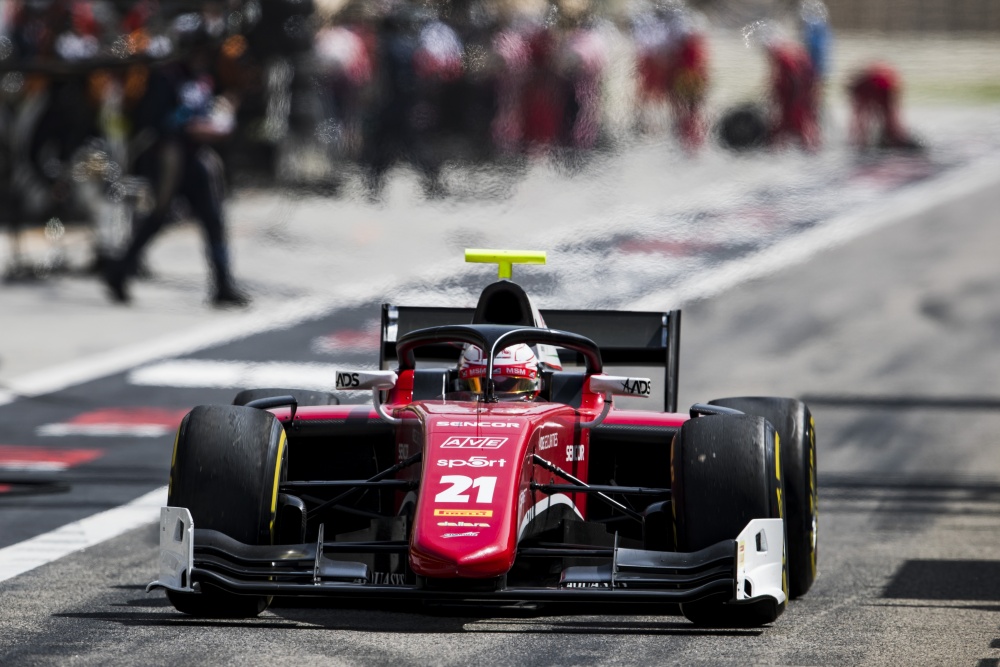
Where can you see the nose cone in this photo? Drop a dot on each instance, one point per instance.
(463, 551)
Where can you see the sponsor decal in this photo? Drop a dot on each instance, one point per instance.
(488, 442)
(636, 387)
(462, 524)
(548, 441)
(347, 380)
(574, 452)
(483, 424)
(593, 584)
(470, 534)
(485, 514)
(473, 462)
(459, 484)
(404, 451)
(389, 578)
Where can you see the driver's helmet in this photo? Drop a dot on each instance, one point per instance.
(515, 372)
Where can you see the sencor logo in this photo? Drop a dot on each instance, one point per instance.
(456, 442)
(483, 424)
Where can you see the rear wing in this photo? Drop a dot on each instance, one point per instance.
(638, 338)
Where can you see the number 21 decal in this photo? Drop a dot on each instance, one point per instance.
(456, 493)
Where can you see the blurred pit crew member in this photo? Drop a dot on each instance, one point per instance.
(673, 66)
(582, 59)
(415, 56)
(874, 95)
(816, 37)
(345, 53)
(180, 116)
(515, 374)
(793, 94)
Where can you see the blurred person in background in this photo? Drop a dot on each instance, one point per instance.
(792, 87)
(673, 68)
(548, 97)
(817, 38)
(582, 59)
(418, 55)
(875, 122)
(345, 51)
(510, 43)
(179, 115)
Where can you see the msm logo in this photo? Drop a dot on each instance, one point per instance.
(487, 442)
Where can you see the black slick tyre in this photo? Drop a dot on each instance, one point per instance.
(226, 467)
(302, 396)
(797, 438)
(723, 472)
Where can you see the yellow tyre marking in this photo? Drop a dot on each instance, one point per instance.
(173, 462)
(777, 455)
(777, 466)
(813, 495)
(274, 489)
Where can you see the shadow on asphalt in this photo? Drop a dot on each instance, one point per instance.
(414, 618)
(959, 580)
(902, 402)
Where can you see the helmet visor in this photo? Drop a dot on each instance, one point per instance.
(505, 386)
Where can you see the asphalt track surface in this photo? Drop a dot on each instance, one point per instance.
(892, 337)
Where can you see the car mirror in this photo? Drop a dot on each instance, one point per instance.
(621, 385)
(360, 380)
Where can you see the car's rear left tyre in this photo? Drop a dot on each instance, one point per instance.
(301, 396)
(797, 435)
(724, 473)
(227, 464)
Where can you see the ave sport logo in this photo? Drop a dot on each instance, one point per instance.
(472, 462)
(484, 442)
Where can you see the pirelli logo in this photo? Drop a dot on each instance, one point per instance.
(476, 513)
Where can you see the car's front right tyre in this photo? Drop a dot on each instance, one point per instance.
(226, 467)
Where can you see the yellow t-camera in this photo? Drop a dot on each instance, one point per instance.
(504, 259)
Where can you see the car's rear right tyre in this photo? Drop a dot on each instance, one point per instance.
(724, 473)
(227, 464)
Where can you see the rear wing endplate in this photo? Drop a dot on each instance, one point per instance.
(638, 338)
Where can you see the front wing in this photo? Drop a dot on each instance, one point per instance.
(747, 569)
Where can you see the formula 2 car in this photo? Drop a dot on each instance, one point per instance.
(441, 489)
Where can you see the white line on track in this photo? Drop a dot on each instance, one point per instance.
(799, 248)
(24, 556)
(87, 532)
(116, 361)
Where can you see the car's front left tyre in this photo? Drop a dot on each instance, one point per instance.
(724, 473)
(797, 434)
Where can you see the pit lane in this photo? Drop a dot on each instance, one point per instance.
(910, 492)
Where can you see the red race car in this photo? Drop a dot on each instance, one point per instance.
(492, 466)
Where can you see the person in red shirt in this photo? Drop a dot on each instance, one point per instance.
(793, 94)
(874, 92)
